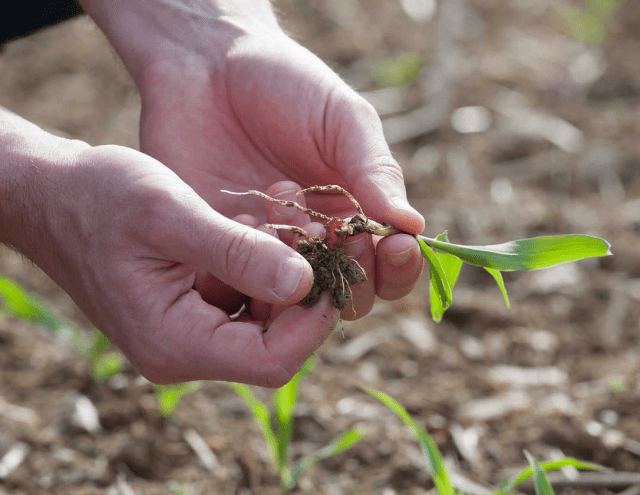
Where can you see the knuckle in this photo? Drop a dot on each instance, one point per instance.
(238, 250)
(387, 168)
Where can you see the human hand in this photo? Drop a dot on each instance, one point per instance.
(122, 235)
(273, 117)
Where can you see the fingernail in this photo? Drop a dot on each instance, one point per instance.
(289, 277)
(355, 247)
(399, 259)
(402, 204)
(282, 210)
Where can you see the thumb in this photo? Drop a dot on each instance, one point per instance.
(252, 262)
(363, 158)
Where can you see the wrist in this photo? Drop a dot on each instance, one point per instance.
(30, 162)
(166, 32)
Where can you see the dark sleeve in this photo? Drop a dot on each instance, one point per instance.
(23, 17)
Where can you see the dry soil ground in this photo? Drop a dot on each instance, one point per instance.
(558, 152)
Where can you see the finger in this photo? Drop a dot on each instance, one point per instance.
(285, 215)
(201, 343)
(215, 291)
(265, 312)
(399, 265)
(252, 262)
(361, 155)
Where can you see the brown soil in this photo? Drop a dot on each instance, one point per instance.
(333, 272)
(578, 322)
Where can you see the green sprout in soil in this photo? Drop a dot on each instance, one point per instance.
(19, 303)
(277, 429)
(438, 470)
(334, 271)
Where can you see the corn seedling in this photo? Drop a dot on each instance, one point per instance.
(438, 470)
(18, 303)
(103, 364)
(335, 272)
(277, 428)
(168, 396)
(590, 24)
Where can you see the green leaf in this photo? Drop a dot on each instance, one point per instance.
(399, 71)
(497, 275)
(540, 480)
(509, 485)
(260, 413)
(168, 396)
(20, 304)
(451, 268)
(99, 345)
(430, 449)
(106, 366)
(344, 442)
(526, 254)
(437, 277)
(284, 403)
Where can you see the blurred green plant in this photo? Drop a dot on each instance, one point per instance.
(277, 428)
(590, 25)
(168, 396)
(438, 470)
(19, 303)
(176, 488)
(540, 480)
(103, 363)
(399, 71)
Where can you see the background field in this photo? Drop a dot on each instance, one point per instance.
(556, 101)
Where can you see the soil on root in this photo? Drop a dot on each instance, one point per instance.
(333, 271)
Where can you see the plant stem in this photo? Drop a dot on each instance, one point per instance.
(382, 229)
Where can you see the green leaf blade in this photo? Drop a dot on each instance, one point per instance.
(261, 415)
(430, 449)
(284, 403)
(509, 485)
(497, 275)
(451, 266)
(168, 396)
(540, 480)
(20, 304)
(437, 277)
(344, 442)
(526, 254)
(106, 365)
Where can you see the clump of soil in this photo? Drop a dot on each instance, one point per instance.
(333, 271)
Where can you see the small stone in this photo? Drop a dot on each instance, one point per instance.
(13, 458)
(487, 409)
(472, 348)
(557, 404)
(206, 456)
(416, 328)
(514, 376)
(471, 119)
(84, 415)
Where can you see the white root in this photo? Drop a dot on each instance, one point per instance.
(293, 204)
(333, 187)
(291, 228)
